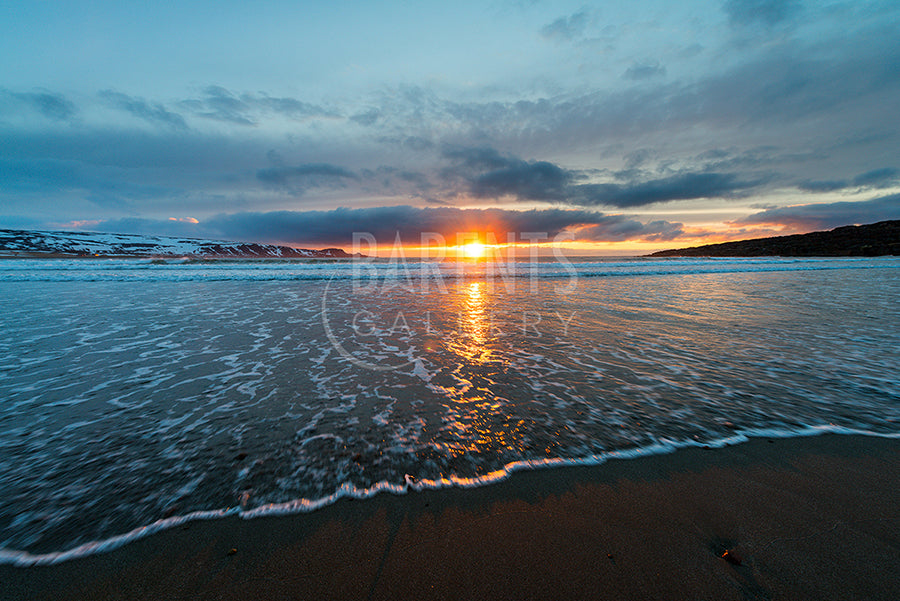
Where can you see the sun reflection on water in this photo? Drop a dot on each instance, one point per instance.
(472, 343)
(477, 392)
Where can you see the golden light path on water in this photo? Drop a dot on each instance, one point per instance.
(476, 405)
(474, 324)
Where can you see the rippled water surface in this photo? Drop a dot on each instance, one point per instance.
(132, 392)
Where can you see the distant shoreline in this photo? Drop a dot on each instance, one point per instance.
(58, 245)
(173, 257)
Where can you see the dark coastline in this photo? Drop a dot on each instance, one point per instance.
(806, 518)
(873, 240)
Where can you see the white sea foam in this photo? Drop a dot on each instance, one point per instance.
(145, 270)
(349, 491)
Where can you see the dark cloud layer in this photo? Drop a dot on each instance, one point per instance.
(824, 216)
(488, 174)
(484, 173)
(683, 186)
(627, 229)
(336, 227)
(884, 177)
(877, 178)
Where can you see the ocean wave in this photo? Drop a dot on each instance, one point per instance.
(146, 270)
(348, 491)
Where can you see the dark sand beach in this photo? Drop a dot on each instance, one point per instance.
(803, 518)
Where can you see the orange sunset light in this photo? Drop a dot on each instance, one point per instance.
(474, 250)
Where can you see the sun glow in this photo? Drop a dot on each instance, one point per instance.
(474, 250)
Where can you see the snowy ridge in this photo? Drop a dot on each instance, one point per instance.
(24, 243)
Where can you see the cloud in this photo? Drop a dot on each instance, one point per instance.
(221, 104)
(289, 107)
(151, 112)
(884, 177)
(488, 174)
(648, 70)
(624, 228)
(52, 105)
(102, 186)
(766, 12)
(396, 181)
(303, 177)
(566, 28)
(683, 186)
(367, 118)
(20, 222)
(151, 227)
(824, 216)
(637, 157)
(417, 143)
(535, 180)
(690, 51)
(38, 174)
(822, 185)
(877, 178)
(336, 227)
(477, 158)
(49, 171)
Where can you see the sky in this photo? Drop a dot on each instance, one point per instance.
(622, 127)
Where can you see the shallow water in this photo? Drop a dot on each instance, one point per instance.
(133, 392)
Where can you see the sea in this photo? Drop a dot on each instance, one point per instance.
(138, 394)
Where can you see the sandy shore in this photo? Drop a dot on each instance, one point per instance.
(807, 518)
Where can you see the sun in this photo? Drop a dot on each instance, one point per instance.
(474, 250)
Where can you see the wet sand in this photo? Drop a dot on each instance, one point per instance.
(804, 518)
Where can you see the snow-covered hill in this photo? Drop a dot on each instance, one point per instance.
(88, 244)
